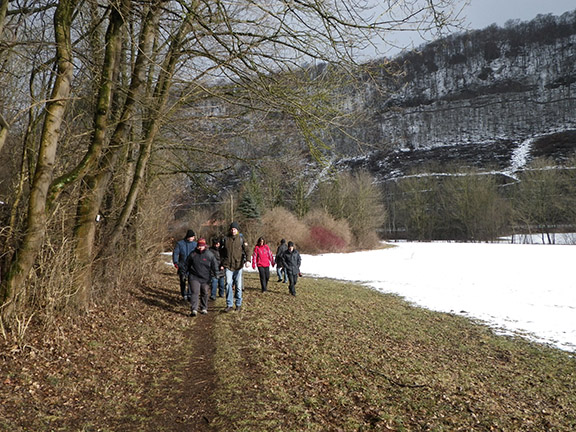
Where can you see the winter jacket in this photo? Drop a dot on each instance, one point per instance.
(279, 254)
(202, 265)
(182, 249)
(262, 256)
(234, 252)
(292, 261)
(216, 252)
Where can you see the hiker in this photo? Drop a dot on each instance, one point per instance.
(181, 251)
(291, 260)
(202, 265)
(262, 259)
(219, 280)
(234, 255)
(280, 271)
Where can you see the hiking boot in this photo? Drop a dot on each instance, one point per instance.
(228, 309)
(212, 298)
(203, 311)
(194, 313)
(238, 308)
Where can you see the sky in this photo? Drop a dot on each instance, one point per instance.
(521, 289)
(482, 13)
(478, 14)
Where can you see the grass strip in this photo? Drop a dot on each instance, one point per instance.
(340, 356)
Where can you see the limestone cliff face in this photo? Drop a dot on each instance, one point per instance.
(486, 86)
(491, 89)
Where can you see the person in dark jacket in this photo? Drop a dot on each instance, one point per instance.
(218, 281)
(180, 254)
(202, 265)
(279, 266)
(292, 261)
(234, 255)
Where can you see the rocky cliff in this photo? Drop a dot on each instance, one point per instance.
(480, 98)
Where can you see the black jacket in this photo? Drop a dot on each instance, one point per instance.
(292, 261)
(280, 255)
(202, 265)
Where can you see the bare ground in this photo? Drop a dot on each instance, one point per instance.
(140, 362)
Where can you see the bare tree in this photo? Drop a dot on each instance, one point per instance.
(113, 94)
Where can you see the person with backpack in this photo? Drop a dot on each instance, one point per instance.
(292, 261)
(218, 280)
(180, 254)
(280, 271)
(262, 259)
(234, 255)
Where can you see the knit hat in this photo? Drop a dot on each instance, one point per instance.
(201, 242)
(234, 225)
(190, 233)
(290, 244)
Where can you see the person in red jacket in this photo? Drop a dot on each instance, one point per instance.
(262, 259)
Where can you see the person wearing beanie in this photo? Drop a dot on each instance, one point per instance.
(280, 271)
(234, 255)
(218, 281)
(262, 259)
(181, 251)
(202, 265)
(292, 261)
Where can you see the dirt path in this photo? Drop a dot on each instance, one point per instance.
(135, 362)
(188, 399)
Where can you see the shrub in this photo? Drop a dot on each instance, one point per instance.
(357, 199)
(279, 223)
(326, 234)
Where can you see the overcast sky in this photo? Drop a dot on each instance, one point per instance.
(479, 14)
(482, 13)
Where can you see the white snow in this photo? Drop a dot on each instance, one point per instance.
(522, 289)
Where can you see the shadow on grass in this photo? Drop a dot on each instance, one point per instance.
(168, 299)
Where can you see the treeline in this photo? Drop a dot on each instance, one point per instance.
(344, 213)
(482, 206)
(109, 110)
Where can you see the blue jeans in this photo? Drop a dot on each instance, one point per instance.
(281, 273)
(233, 277)
(218, 285)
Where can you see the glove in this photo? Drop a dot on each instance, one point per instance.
(176, 265)
(300, 274)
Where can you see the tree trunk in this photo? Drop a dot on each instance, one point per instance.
(152, 127)
(97, 183)
(27, 252)
(87, 207)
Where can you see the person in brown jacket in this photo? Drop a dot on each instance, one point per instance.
(234, 255)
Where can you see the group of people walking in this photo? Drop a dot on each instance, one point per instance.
(206, 272)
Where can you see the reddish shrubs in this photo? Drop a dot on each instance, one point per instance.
(325, 240)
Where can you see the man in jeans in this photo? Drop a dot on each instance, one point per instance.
(234, 256)
(180, 254)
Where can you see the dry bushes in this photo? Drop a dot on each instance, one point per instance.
(326, 234)
(317, 232)
(280, 223)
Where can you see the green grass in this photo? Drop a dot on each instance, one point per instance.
(343, 357)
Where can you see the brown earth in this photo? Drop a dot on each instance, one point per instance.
(139, 362)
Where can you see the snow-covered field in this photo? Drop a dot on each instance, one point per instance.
(523, 289)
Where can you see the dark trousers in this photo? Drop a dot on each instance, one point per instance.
(292, 280)
(200, 291)
(264, 273)
(184, 286)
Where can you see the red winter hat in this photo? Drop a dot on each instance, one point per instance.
(201, 242)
